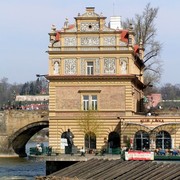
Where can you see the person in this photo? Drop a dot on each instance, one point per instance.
(49, 150)
(42, 146)
(82, 151)
(39, 148)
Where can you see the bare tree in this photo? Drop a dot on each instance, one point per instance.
(146, 32)
(89, 124)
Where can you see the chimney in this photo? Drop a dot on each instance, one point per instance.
(90, 9)
(115, 22)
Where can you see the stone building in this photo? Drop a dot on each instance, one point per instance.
(96, 87)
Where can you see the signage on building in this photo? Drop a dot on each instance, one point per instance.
(152, 120)
(139, 155)
(63, 143)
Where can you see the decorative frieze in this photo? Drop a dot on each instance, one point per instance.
(121, 43)
(70, 41)
(70, 66)
(109, 41)
(109, 66)
(90, 41)
(97, 66)
(89, 26)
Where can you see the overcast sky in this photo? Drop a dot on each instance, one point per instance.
(24, 27)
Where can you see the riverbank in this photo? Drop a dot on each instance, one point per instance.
(75, 157)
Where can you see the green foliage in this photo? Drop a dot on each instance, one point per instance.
(128, 144)
(40, 86)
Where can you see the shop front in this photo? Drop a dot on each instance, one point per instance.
(164, 136)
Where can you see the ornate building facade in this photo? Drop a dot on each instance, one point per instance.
(96, 87)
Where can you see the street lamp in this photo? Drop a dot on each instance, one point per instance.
(41, 75)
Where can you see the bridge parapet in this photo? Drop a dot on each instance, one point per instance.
(14, 121)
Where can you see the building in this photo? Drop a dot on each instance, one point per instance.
(96, 88)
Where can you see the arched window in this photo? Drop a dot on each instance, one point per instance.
(163, 140)
(90, 140)
(114, 140)
(141, 140)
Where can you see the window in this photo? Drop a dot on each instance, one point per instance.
(94, 102)
(89, 102)
(85, 103)
(90, 68)
(141, 140)
(163, 140)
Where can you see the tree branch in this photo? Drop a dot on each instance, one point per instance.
(150, 57)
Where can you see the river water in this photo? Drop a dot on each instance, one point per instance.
(21, 168)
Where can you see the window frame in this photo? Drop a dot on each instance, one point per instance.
(90, 68)
(90, 104)
(86, 103)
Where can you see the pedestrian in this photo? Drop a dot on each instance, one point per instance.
(82, 151)
(39, 148)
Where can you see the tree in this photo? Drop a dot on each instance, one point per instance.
(38, 85)
(32, 90)
(25, 89)
(144, 27)
(89, 124)
(170, 92)
(8, 92)
(4, 92)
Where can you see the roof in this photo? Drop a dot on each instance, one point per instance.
(103, 169)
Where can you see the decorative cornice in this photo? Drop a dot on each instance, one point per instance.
(91, 77)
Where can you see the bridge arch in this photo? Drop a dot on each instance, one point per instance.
(19, 139)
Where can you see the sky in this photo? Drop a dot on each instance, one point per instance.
(24, 28)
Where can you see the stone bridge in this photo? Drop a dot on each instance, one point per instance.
(17, 127)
